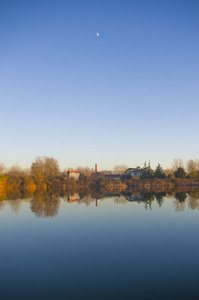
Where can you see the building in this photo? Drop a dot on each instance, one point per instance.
(135, 172)
(97, 175)
(73, 174)
(103, 175)
(112, 176)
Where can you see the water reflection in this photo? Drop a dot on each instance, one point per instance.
(45, 205)
(104, 243)
(160, 198)
(181, 196)
(193, 202)
(73, 197)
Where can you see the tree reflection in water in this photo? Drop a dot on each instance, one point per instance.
(2, 205)
(160, 198)
(15, 205)
(179, 206)
(193, 200)
(44, 205)
(120, 200)
(87, 200)
(180, 201)
(181, 196)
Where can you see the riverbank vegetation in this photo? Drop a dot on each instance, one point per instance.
(45, 175)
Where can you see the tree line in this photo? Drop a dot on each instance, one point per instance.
(190, 170)
(45, 171)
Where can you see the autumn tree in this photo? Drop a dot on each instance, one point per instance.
(45, 168)
(28, 184)
(193, 175)
(51, 167)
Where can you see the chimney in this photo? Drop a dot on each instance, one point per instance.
(95, 168)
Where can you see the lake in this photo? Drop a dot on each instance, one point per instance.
(133, 246)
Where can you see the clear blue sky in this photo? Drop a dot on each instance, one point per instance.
(127, 96)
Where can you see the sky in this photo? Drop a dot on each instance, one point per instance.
(125, 96)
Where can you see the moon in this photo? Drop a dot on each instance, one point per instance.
(97, 34)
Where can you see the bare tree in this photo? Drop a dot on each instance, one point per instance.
(2, 168)
(86, 171)
(119, 169)
(177, 163)
(106, 172)
(16, 170)
(192, 165)
(168, 172)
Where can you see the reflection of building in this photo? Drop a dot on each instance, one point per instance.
(73, 197)
(135, 197)
(112, 194)
(134, 171)
(73, 174)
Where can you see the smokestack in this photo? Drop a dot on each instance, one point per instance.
(95, 168)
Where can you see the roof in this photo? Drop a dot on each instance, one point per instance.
(112, 175)
(73, 171)
(134, 170)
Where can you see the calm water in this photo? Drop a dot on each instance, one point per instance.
(135, 247)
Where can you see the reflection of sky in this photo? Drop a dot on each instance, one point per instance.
(105, 251)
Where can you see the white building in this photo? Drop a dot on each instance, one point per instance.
(73, 174)
(134, 172)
